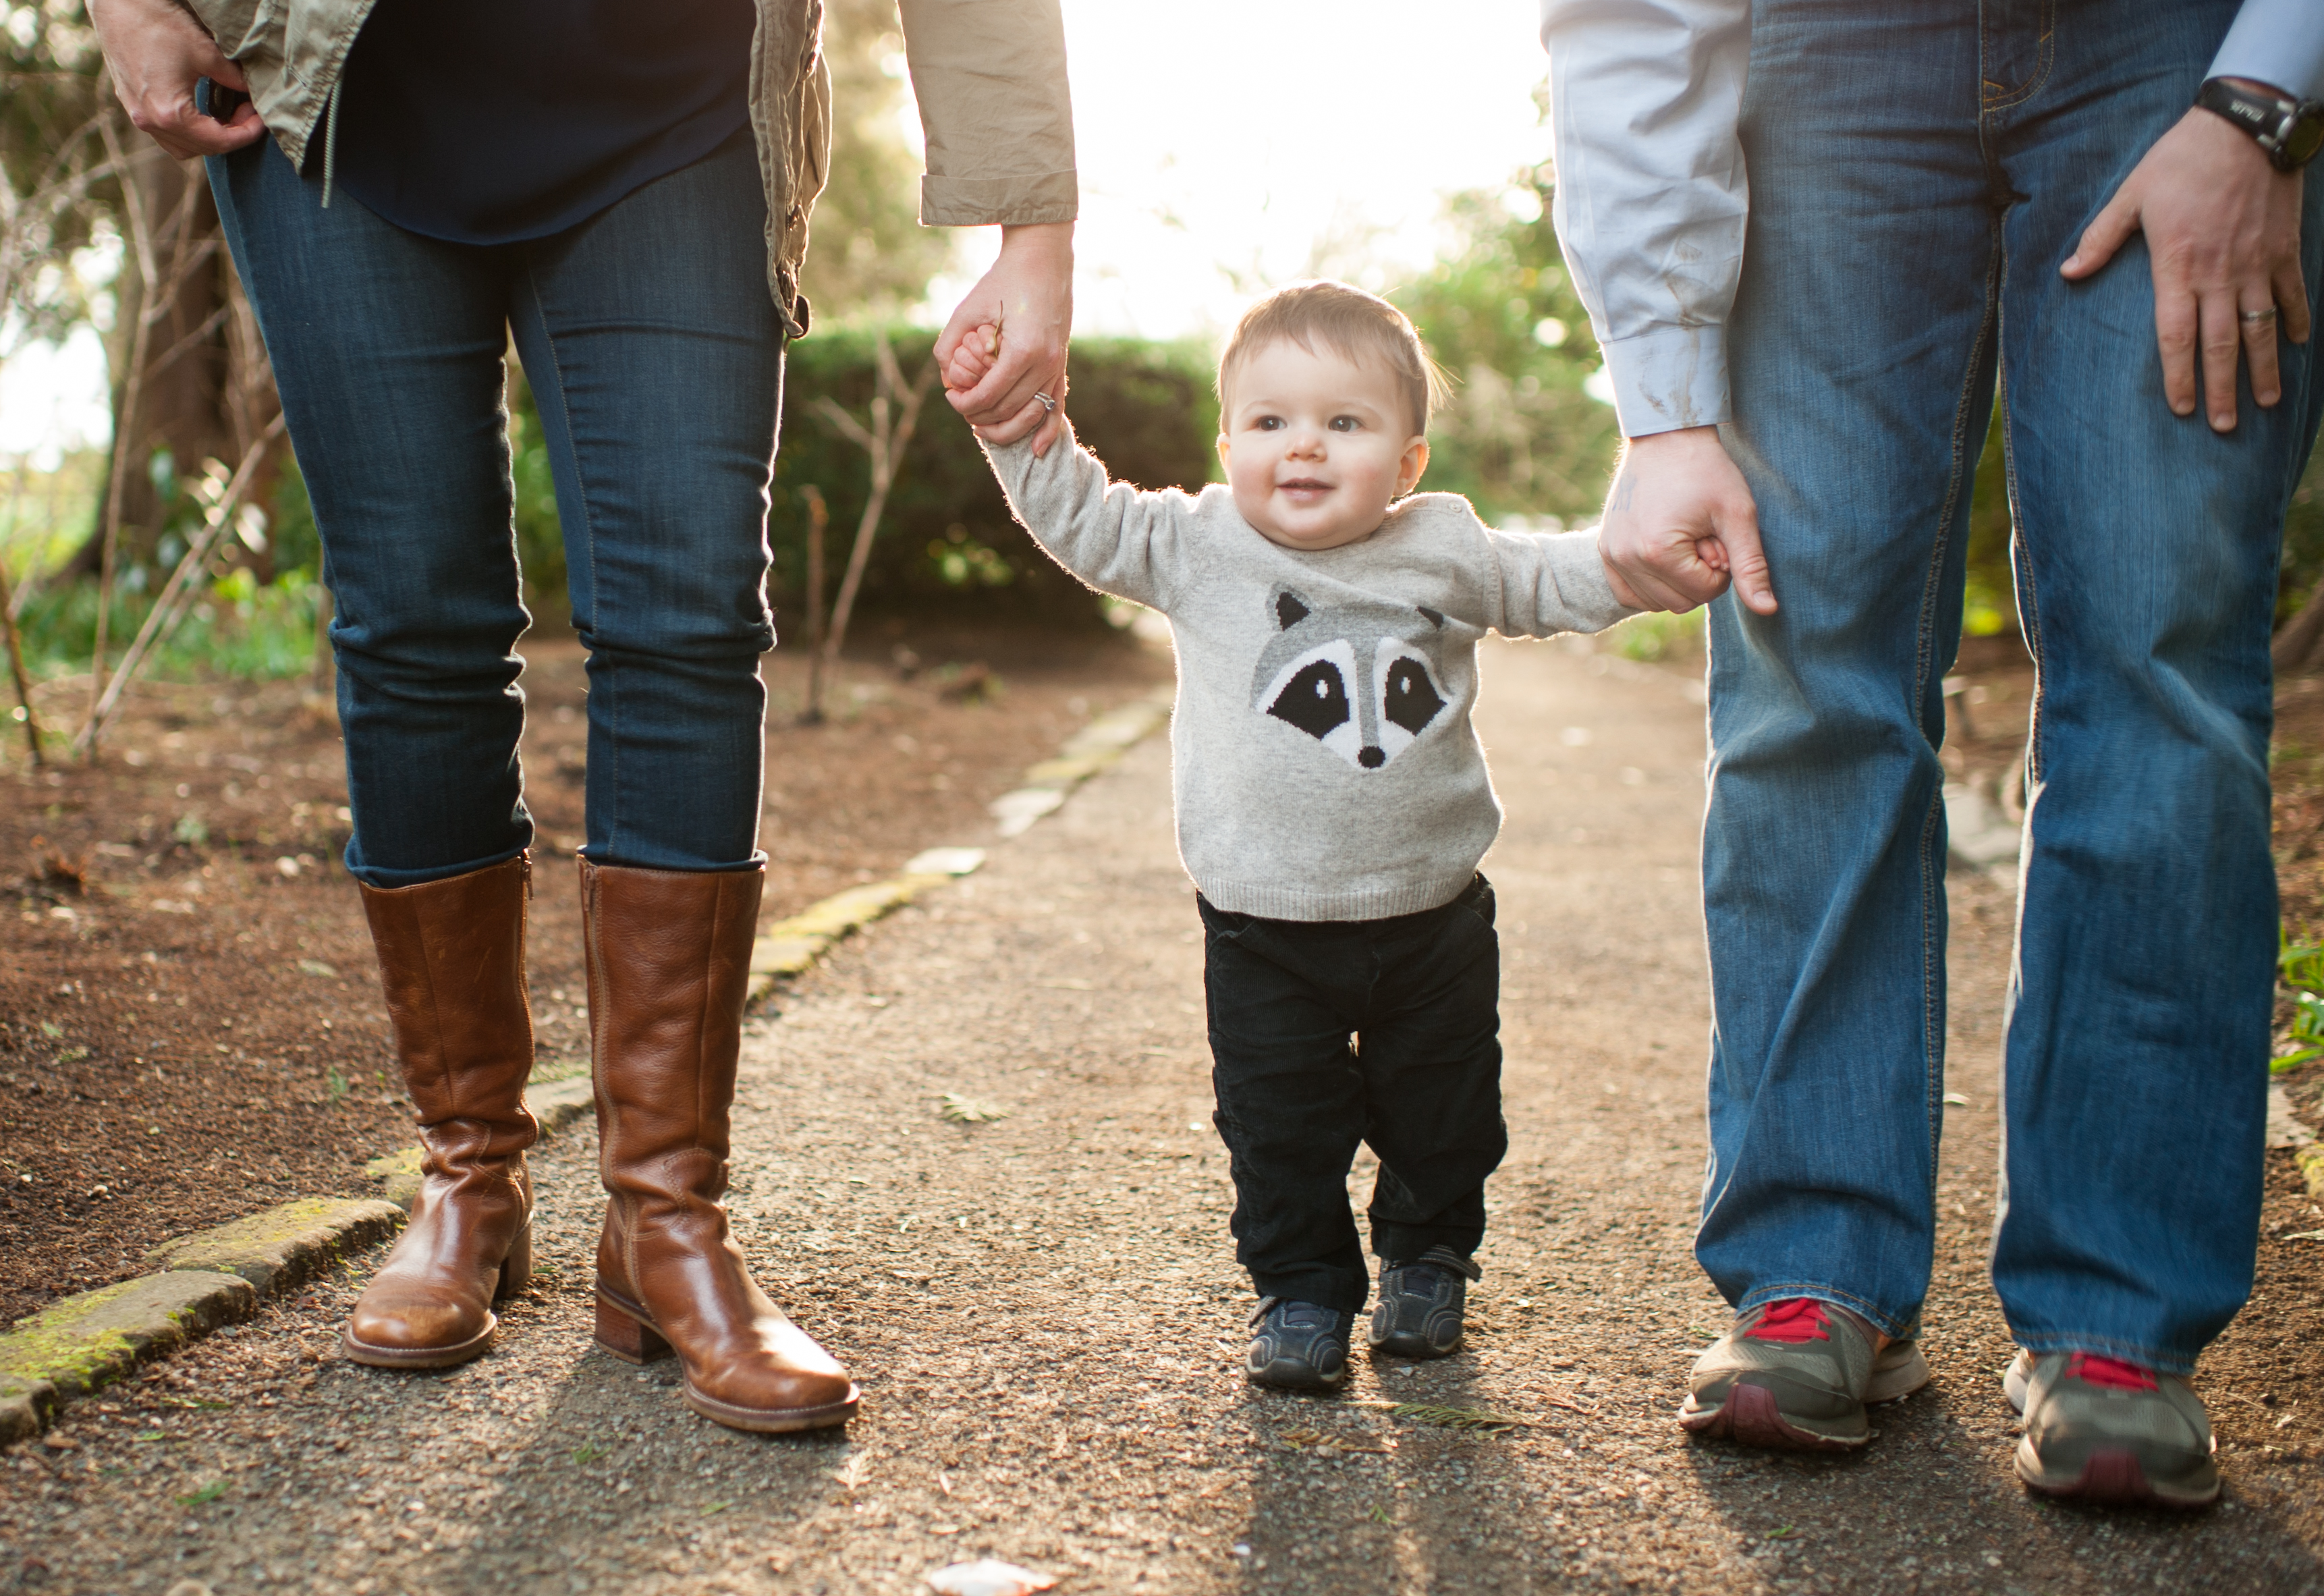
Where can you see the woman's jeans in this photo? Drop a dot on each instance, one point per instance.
(1419, 996)
(1919, 168)
(656, 354)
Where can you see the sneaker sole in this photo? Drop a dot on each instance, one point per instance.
(1297, 1377)
(1750, 1417)
(2115, 1476)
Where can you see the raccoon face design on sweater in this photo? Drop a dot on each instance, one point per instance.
(1362, 679)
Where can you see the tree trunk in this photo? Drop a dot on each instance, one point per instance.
(205, 393)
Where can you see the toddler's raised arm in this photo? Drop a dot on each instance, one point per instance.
(1110, 534)
(1552, 582)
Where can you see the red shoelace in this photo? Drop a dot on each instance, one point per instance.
(2112, 1373)
(1798, 1319)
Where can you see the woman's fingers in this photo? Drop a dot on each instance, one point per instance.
(156, 54)
(1030, 419)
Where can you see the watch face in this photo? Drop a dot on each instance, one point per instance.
(2305, 136)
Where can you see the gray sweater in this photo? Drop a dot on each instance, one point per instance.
(1323, 763)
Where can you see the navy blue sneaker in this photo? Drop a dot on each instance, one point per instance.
(1418, 1315)
(1299, 1346)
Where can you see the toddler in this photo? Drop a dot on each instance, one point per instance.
(1332, 799)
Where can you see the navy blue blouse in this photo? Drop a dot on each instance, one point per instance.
(510, 119)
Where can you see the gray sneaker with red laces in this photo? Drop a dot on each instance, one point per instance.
(1798, 1374)
(2106, 1431)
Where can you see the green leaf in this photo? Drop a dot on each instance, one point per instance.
(207, 1493)
(586, 1456)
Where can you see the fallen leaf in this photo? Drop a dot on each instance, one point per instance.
(2303, 1236)
(968, 1111)
(988, 1576)
(1449, 1419)
(317, 967)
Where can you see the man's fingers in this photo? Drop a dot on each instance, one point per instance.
(2174, 336)
(2106, 235)
(1746, 558)
(2291, 291)
(2259, 332)
(2222, 344)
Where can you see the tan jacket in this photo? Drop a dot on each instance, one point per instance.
(990, 76)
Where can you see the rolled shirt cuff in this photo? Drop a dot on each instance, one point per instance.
(1020, 201)
(2276, 42)
(1669, 378)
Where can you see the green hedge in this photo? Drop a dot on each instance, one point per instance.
(946, 546)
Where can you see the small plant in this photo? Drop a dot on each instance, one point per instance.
(190, 830)
(2300, 967)
(334, 1084)
(586, 1456)
(207, 1493)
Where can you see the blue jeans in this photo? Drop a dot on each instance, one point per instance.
(1919, 168)
(656, 356)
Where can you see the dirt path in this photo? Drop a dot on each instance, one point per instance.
(1046, 1317)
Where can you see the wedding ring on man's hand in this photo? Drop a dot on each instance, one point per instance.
(2257, 317)
(1047, 403)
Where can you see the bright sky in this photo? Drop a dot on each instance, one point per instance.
(1224, 146)
(1227, 145)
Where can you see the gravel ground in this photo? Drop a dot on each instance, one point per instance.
(1046, 1318)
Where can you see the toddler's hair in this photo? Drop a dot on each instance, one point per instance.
(1354, 323)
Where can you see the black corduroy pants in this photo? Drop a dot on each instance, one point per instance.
(1328, 1033)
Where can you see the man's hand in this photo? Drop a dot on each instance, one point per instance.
(1680, 525)
(157, 51)
(2223, 233)
(1027, 298)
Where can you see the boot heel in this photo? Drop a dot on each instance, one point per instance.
(516, 1268)
(626, 1338)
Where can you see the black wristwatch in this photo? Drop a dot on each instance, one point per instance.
(2290, 131)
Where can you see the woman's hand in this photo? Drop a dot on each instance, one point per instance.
(157, 51)
(1028, 299)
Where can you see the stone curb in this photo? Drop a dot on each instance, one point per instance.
(212, 1277)
(81, 1342)
(220, 1276)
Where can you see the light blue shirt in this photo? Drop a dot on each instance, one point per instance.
(1652, 196)
(2278, 42)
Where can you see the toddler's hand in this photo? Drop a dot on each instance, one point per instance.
(972, 359)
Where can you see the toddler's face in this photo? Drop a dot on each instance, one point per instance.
(1316, 447)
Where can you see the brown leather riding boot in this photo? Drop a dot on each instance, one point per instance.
(451, 956)
(669, 957)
